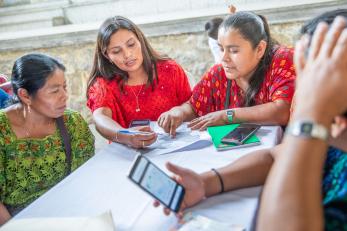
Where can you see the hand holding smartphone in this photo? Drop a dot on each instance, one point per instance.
(240, 134)
(155, 182)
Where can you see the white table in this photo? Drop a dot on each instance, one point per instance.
(101, 184)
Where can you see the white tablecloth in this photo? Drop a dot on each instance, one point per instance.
(101, 184)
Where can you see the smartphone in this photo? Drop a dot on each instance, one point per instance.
(157, 183)
(240, 134)
(136, 123)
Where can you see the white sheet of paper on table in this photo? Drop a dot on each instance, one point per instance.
(194, 222)
(185, 140)
(103, 222)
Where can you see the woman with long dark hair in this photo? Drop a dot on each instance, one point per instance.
(41, 140)
(254, 82)
(306, 187)
(131, 81)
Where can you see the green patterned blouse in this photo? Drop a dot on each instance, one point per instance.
(30, 167)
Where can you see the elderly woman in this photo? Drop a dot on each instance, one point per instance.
(40, 140)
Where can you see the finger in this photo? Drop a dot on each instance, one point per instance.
(179, 171)
(166, 124)
(299, 54)
(147, 137)
(198, 125)
(179, 215)
(194, 121)
(144, 128)
(145, 143)
(160, 120)
(149, 142)
(317, 40)
(332, 36)
(173, 128)
(156, 203)
(167, 211)
(340, 51)
(204, 126)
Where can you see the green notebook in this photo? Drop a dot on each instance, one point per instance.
(218, 132)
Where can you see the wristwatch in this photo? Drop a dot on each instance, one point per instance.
(308, 129)
(230, 115)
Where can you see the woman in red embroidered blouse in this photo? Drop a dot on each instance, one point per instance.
(130, 81)
(260, 74)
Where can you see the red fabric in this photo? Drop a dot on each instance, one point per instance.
(210, 93)
(3, 79)
(172, 90)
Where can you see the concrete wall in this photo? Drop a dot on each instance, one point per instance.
(190, 50)
(182, 39)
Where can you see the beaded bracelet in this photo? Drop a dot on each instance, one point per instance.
(117, 137)
(220, 179)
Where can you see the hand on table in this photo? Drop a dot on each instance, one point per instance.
(170, 121)
(211, 119)
(142, 140)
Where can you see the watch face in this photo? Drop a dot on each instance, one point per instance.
(230, 112)
(306, 128)
(230, 115)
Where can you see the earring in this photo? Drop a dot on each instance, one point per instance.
(24, 113)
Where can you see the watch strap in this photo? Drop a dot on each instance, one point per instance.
(308, 129)
(230, 115)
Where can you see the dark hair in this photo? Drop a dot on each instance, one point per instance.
(310, 26)
(253, 28)
(211, 27)
(31, 72)
(102, 67)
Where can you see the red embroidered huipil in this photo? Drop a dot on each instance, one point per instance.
(279, 84)
(172, 90)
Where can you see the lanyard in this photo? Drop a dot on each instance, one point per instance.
(227, 99)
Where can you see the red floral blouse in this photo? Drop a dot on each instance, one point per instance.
(141, 102)
(210, 93)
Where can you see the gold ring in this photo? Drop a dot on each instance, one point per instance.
(143, 143)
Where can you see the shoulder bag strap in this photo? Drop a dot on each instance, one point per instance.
(66, 140)
(227, 97)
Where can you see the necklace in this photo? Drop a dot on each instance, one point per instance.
(28, 134)
(137, 98)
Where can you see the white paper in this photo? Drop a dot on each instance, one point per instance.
(185, 140)
(102, 222)
(195, 222)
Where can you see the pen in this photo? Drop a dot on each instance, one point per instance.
(133, 132)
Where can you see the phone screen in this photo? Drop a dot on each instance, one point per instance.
(136, 123)
(240, 134)
(154, 181)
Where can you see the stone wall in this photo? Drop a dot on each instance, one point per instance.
(190, 50)
(181, 37)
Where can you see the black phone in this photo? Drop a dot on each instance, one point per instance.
(157, 183)
(240, 134)
(135, 123)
